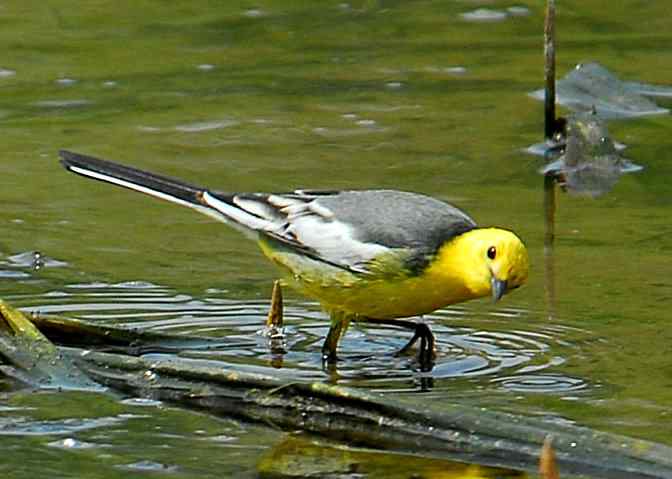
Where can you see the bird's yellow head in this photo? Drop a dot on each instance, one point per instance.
(489, 261)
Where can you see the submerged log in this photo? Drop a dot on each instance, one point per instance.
(33, 359)
(438, 431)
(449, 431)
(133, 341)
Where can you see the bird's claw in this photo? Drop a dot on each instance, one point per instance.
(426, 353)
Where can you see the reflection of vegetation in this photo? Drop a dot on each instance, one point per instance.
(590, 163)
(299, 456)
(445, 431)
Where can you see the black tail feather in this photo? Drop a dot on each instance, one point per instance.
(81, 164)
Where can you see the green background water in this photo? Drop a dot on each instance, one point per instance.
(271, 96)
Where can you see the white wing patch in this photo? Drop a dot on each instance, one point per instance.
(238, 216)
(333, 240)
(301, 221)
(280, 201)
(257, 208)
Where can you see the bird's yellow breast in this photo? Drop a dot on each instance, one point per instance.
(451, 277)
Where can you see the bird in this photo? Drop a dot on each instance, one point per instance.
(375, 256)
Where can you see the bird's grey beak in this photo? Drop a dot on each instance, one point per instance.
(498, 288)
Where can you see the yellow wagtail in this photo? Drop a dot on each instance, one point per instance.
(369, 255)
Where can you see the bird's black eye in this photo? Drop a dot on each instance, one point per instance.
(492, 252)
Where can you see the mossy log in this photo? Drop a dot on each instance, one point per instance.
(358, 418)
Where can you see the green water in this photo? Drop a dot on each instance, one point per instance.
(271, 96)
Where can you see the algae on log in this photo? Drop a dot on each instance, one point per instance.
(73, 332)
(434, 431)
(452, 431)
(34, 359)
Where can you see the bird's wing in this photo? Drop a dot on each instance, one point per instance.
(300, 222)
(382, 232)
(296, 219)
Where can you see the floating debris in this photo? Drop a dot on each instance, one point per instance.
(455, 70)
(66, 81)
(254, 13)
(205, 126)
(72, 443)
(136, 284)
(484, 15)
(147, 466)
(364, 127)
(222, 438)
(367, 123)
(518, 11)
(590, 86)
(62, 103)
(142, 402)
(6, 73)
(149, 129)
(590, 163)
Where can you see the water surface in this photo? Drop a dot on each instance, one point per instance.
(270, 97)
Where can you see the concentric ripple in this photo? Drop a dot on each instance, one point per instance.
(487, 348)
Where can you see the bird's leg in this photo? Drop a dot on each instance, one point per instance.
(339, 325)
(421, 331)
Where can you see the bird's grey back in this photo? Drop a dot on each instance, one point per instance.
(398, 219)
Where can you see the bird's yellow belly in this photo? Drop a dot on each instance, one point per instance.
(367, 295)
(383, 299)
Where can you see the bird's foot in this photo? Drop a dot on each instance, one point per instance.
(426, 352)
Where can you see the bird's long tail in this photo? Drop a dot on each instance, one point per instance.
(216, 205)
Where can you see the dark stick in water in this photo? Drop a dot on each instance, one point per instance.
(550, 129)
(549, 71)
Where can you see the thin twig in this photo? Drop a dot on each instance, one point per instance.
(548, 467)
(275, 314)
(549, 71)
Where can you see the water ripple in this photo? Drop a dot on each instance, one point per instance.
(540, 383)
(471, 345)
(20, 426)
